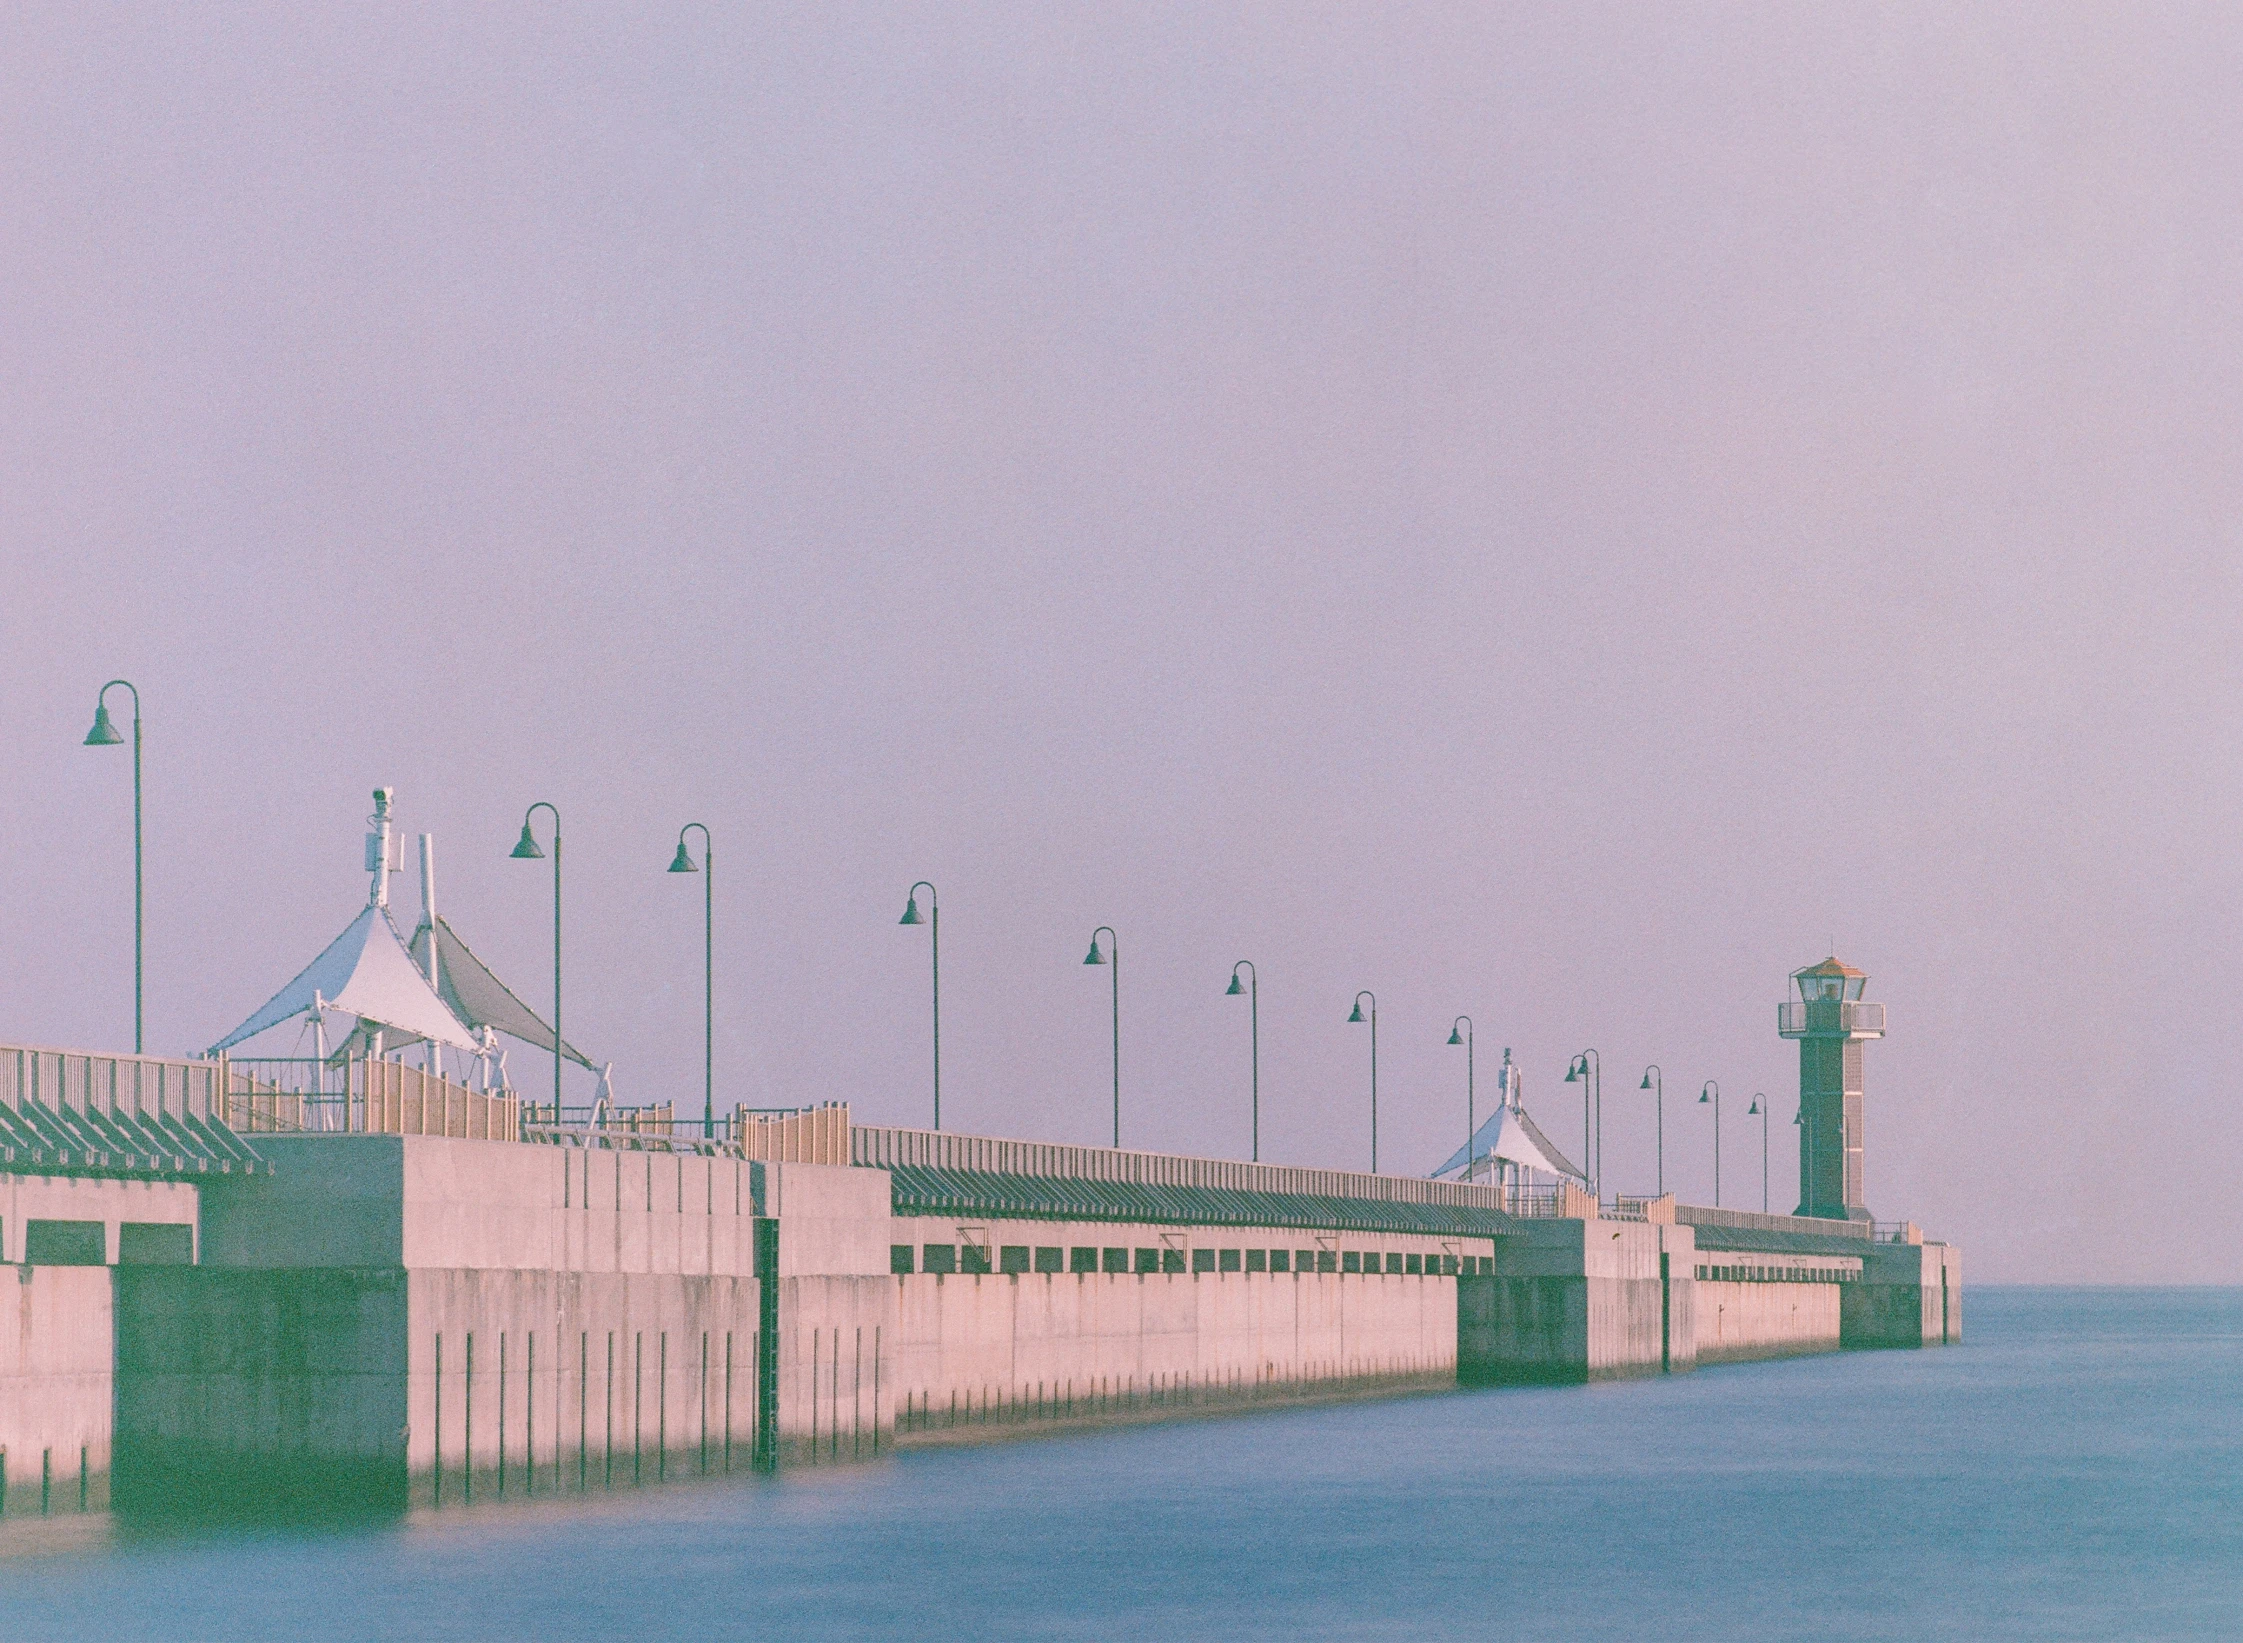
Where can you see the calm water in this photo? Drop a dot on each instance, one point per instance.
(2072, 1472)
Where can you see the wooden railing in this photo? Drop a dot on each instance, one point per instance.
(816, 1135)
(364, 1096)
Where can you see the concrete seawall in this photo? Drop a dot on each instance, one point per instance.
(385, 1321)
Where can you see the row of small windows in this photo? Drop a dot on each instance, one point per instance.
(1775, 1275)
(974, 1258)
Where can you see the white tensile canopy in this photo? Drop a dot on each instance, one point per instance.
(365, 972)
(1511, 1137)
(477, 996)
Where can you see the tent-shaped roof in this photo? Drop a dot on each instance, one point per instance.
(364, 972)
(478, 997)
(1513, 1137)
(1831, 967)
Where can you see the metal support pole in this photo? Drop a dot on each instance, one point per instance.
(1254, 1010)
(1111, 957)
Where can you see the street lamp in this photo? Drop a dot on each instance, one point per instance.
(1712, 1092)
(1471, 1109)
(525, 849)
(1357, 1015)
(1655, 1080)
(1756, 1110)
(1254, 1010)
(1113, 946)
(1587, 1070)
(104, 734)
(683, 863)
(933, 921)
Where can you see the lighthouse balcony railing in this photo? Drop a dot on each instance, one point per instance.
(1796, 1017)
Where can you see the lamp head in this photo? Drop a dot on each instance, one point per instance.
(525, 847)
(681, 862)
(910, 906)
(1646, 1084)
(1753, 1110)
(1094, 956)
(1704, 1096)
(103, 733)
(1573, 1071)
(1234, 989)
(1356, 1014)
(1455, 1037)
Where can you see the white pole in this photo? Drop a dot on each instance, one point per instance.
(377, 849)
(435, 1058)
(319, 1044)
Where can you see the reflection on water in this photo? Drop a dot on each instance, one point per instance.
(2073, 1472)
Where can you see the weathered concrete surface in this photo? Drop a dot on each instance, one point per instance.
(112, 1204)
(383, 1319)
(234, 1386)
(427, 1201)
(1070, 1344)
(1741, 1321)
(1909, 1295)
(1580, 1300)
(527, 1382)
(55, 1385)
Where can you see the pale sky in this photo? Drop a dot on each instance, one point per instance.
(1549, 515)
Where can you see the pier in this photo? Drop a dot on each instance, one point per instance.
(219, 1305)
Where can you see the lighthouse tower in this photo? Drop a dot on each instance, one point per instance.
(1831, 1022)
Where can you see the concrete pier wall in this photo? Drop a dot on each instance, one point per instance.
(55, 1386)
(1580, 1300)
(139, 1220)
(1741, 1321)
(1910, 1295)
(390, 1319)
(241, 1385)
(528, 1382)
(1052, 1346)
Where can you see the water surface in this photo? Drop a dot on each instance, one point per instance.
(2071, 1472)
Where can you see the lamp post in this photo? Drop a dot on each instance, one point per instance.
(1760, 1111)
(1712, 1092)
(933, 921)
(1113, 945)
(1357, 1015)
(1471, 1109)
(104, 734)
(525, 849)
(683, 863)
(1587, 1069)
(1656, 1081)
(1254, 1011)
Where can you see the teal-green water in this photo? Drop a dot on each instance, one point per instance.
(2074, 1471)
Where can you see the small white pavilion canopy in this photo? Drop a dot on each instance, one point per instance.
(365, 972)
(1511, 1137)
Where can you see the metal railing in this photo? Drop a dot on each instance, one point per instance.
(1796, 1017)
(941, 1149)
(79, 1111)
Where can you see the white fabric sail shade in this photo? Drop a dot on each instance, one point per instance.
(478, 997)
(1513, 1138)
(365, 972)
